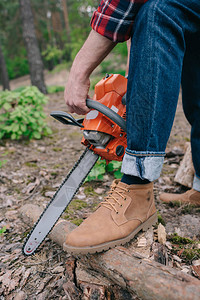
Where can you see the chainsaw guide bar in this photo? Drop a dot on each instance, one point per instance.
(59, 202)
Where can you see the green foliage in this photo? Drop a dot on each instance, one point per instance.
(60, 67)
(52, 53)
(2, 230)
(105, 66)
(3, 162)
(51, 89)
(21, 114)
(185, 248)
(17, 65)
(108, 67)
(71, 211)
(175, 238)
(121, 49)
(55, 89)
(19, 89)
(100, 169)
(160, 219)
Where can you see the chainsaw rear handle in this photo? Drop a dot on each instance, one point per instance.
(66, 118)
(113, 116)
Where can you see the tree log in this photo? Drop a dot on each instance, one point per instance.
(121, 266)
(185, 173)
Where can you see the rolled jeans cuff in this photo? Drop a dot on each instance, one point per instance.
(146, 165)
(196, 183)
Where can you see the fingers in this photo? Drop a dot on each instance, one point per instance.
(78, 110)
(75, 95)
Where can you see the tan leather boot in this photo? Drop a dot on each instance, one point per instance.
(189, 197)
(125, 211)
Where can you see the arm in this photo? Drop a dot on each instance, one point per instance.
(112, 22)
(94, 50)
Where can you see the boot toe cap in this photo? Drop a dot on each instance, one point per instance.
(75, 239)
(167, 197)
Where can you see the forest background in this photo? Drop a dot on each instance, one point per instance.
(60, 26)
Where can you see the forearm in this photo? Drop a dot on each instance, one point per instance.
(94, 50)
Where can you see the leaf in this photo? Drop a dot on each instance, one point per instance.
(2, 230)
(9, 283)
(116, 164)
(7, 106)
(109, 167)
(23, 127)
(118, 174)
(36, 135)
(15, 127)
(13, 136)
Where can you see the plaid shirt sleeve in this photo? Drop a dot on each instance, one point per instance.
(114, 18)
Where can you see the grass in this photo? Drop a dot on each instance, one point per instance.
(57, 149)
(31, 164)
(89, 191)
(184, 247)
(52, 89)
(61, 67)
(160, 219)
(3, 162)
(77, 221)
(76, 204)
(175, 238)
(70, 212)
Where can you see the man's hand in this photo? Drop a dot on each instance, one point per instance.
(94, 50)
(76, 92)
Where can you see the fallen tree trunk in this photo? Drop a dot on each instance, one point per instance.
(185, 173)
(120, 266)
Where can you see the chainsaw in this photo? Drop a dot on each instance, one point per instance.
(104, 135)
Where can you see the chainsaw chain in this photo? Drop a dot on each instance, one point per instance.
(76, 164)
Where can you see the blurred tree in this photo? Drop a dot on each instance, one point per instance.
(61, 26)
(66, 18)
(31, 43)
(3, 72)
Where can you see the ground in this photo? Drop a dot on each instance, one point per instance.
(33, 172)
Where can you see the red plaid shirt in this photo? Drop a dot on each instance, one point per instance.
(114, 18)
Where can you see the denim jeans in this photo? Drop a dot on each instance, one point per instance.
(165, 51)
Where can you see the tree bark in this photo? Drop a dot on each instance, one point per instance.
(31, 43)
(121, 267)
(66, 18)
(3, 72)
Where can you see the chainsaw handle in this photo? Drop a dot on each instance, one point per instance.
(66, 118)
(113, 116)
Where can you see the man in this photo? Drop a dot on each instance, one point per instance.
(165, 49)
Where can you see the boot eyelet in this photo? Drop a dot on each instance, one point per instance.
(121, 205)
(117, 212)
(125, 199)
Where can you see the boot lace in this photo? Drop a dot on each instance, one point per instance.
(111, 199)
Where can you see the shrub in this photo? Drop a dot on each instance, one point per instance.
(21, 114)
(18, 65)
(101, 168)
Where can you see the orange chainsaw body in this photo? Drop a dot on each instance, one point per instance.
(109, 91)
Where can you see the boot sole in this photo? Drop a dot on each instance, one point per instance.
(105, 246)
